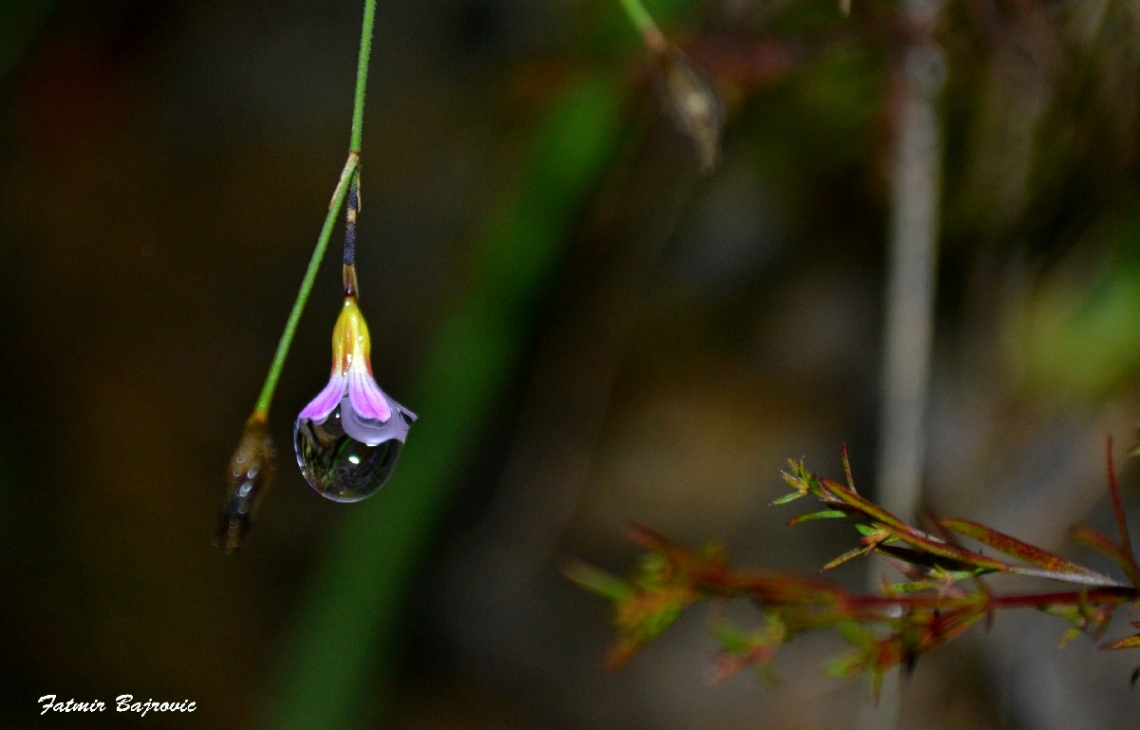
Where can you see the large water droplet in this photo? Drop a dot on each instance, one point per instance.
(340, 467)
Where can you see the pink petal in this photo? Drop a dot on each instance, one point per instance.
(326, 401)
(371, 432)
(366, 398)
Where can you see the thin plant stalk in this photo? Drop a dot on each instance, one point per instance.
(645, 25)
(350, 174)
(266, 397)
(916, 176)
(909, 328)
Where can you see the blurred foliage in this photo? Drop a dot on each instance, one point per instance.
(163, 166)
(1081, 334)
(942, 597)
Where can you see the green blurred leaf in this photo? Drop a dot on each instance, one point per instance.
(1081, 337)
(827, 514)
(1132, 642)
(597, 581)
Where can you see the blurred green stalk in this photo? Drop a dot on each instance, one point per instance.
(639, 16)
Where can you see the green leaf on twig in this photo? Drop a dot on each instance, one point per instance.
(827, 514)
(1012, 546)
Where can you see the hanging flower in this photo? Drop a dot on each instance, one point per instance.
(366, 411)
(348, 437)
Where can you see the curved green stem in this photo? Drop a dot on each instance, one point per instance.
(350, 174)
(274, 374)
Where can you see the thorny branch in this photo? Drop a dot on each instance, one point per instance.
(942, 596)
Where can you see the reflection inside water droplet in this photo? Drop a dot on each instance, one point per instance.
(340, 467)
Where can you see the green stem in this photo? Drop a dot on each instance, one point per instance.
(362, 75)
(350, 173)
(274, 374)
(645, 25)
(638, 15)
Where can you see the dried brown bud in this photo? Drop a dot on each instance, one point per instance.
(692, 103)
(250, 472)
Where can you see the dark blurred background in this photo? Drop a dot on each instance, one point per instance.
(666, 342)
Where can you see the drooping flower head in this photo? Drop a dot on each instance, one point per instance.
(366, 411)
(347, 439)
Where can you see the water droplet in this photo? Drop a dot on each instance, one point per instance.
(343, 468)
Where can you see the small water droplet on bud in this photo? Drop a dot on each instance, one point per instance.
(692, 103)
(250, 472)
